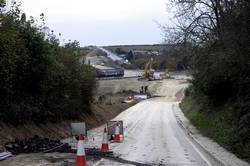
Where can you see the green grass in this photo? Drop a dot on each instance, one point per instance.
(216, 123)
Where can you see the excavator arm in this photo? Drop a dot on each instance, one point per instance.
(148, 67)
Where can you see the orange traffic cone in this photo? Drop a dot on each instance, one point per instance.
(130, 98)
(117, 133)
(105, 145)
(80, 156)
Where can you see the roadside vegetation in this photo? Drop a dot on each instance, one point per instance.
(218, 123)
(41, 81)
(218, 101)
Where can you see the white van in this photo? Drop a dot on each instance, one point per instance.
(155, 76)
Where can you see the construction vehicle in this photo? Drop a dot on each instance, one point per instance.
(154, 76)
(148, 69)
(150, 73)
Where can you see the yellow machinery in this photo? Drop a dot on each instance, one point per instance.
(148, 69)
(149, 72)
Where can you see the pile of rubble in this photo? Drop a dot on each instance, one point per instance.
(36, 144)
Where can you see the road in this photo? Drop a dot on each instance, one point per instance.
(152, 134)
(111, 55)
(154, 137)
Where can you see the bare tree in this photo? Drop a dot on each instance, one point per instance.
(197, 21)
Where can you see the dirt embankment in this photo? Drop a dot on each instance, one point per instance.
(104, 107)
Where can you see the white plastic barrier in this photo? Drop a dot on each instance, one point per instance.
(141, 96)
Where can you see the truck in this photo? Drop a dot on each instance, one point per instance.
(154, 76)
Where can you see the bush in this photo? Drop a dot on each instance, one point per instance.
(40, 80)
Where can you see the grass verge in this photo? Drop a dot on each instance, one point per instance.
(218, 124)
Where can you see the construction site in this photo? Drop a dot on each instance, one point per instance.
(152, 131)
(136, 120)
(124, 83)
(63, 153)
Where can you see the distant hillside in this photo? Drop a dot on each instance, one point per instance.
(127, 48)
(166, 56)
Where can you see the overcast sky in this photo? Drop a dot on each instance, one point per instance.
(102, 22)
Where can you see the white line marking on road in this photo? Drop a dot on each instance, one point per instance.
(195, 148)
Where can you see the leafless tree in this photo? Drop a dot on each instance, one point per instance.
(197, 21)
